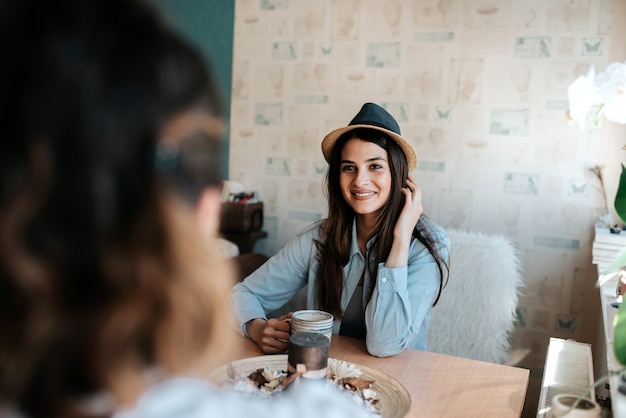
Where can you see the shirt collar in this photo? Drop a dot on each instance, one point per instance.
(354, 245)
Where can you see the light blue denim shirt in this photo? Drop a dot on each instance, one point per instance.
(396, 316)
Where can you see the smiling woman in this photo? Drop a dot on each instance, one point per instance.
(376, 262)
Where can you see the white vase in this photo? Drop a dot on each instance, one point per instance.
(561, 407)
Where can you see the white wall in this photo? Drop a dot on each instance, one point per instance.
(479, 87)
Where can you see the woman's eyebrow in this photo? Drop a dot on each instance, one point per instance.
(367, 161)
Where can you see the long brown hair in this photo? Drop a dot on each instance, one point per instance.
(334, 245)
(103, 273)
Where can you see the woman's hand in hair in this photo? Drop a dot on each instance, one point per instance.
(403, 231)
(272, 336)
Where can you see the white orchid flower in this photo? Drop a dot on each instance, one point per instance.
(603, 93)
(583, 95)
(613, 92)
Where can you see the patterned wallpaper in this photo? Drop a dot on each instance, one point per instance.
(479, 87)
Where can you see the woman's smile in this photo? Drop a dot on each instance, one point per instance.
(363, 195)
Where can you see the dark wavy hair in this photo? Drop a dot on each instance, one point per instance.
(102, 270)
(334, 247)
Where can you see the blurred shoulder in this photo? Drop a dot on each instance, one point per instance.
(192, 398)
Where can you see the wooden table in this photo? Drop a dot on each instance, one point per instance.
(440, 385)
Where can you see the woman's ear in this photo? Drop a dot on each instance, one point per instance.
(208, 211)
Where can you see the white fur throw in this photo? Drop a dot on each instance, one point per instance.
(475, 314)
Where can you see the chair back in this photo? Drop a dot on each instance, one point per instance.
(476, 312)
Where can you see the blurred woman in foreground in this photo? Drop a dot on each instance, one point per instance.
(102, 269)
(108, 287)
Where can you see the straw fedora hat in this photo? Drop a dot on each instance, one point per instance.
(373, 116)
